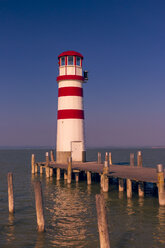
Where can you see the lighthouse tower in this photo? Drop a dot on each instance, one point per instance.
(70, 116)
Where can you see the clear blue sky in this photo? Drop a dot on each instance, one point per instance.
(123, 43)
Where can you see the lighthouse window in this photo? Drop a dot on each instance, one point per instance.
(62, 60)
(78, 61)
(70, 60)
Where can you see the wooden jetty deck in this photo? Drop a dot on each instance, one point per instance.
(141, 174)
(126, 174)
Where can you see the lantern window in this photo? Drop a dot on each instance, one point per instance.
(78, 61)
(70, 60)
(62, 61)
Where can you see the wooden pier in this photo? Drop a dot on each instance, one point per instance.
(104, 171)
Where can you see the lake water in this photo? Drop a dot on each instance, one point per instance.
(70, 210)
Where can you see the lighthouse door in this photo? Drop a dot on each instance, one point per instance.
(76, 151)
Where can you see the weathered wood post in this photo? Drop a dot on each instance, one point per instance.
(10, 193)
(110, 158)
(139, 159)
(47, 163)
(47, 158)
(77, 177)
(69, 176)
(99, 157)
(51, 172)
(161, 191)
(101, 180)
(106, 156)
(33, 164)
(36, 168)
(129, 188)
(141, 189)
(39, 207)
(102, 222)
(65, 175)
(58, 174)
(132, 159)
(121, 184)
(89, 181)
(52, 156)
(105, 182)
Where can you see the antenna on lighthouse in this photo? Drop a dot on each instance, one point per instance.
(86, 75)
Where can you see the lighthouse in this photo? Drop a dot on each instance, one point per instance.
(70, 116)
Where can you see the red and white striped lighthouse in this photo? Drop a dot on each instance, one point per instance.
(70, 117)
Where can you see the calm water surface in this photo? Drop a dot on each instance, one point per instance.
(70, 210)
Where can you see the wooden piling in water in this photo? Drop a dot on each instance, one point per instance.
(36, 168)
(102, 222)
(139, 159)
(65, 175)
(39, 207)
(141, 189)
(47, 158)
(58, 174)
(89, 181)
(129, 188)
(77, 177)
(51, 172)
(132, 159)
(105, 179)
(10, 193)
(69, 176)
(110, 158)
(106, 156)
(161, 190)
(52, 156)
(47, 170)
(121, 184)
(33, 164)
(99, 157)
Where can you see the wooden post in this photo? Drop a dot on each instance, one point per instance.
(139, 159)
(47, 171)
(129, 188)
(132, 159)
(36, 168)
(52, 156)
(69, 176)
(110, 158)
(39, 207)
(47, 158)
(102, 222)
(33, 164)
(10, 193)
(51, 172)
(161, 191)
(101, 180)
(99, 157)
(77, 177)
(121, 185)
(65, 175)
(141, 189)
(106, 156)
(89, 177)
(105, 185)
(58, 174)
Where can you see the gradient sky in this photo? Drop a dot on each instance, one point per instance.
(123, 44)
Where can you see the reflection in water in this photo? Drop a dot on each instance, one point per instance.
(69, 214)
(121, 195)
(161, 226)
(130, 208)
(41, 242)
(10, 233)
(141, 201)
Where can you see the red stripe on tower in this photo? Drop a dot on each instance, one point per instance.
(70, 91)
(70, 114)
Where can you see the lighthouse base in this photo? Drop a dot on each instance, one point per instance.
(62, 157)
